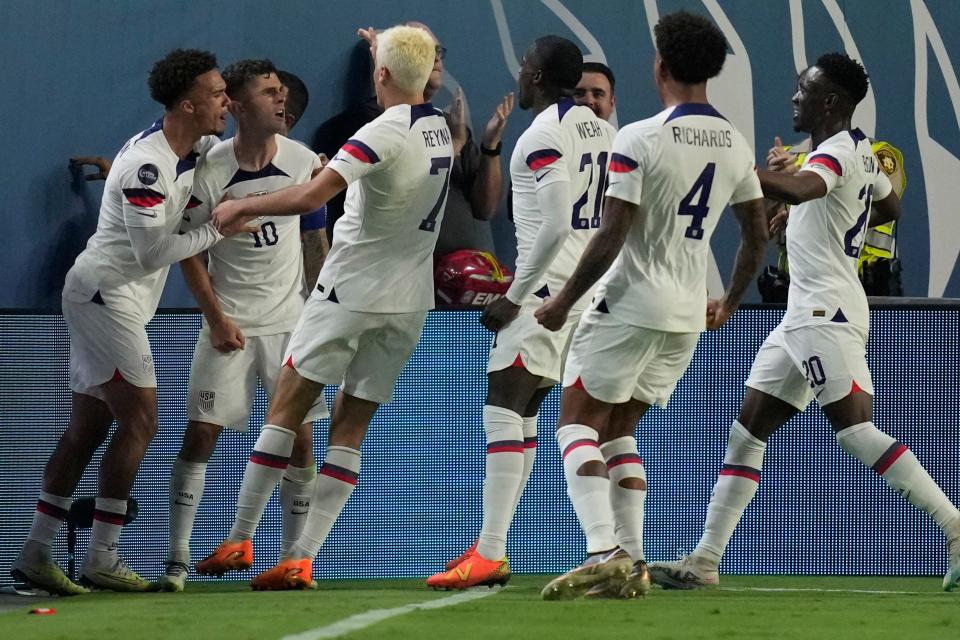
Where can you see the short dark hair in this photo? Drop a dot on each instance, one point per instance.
(297, 95)
(846, 73)
(238, 74)
(561, 61)
(691, 46)
(172, 77)
(599, 67)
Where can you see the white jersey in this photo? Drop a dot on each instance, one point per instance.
(148, 186)
(681, 167)
(824, 236)
(257, 277)
(565, 143)
(398, 168)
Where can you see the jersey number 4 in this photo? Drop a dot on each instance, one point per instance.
(586, 160)
(699, 210)
(436, 164)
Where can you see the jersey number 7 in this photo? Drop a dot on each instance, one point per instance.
(436, 164)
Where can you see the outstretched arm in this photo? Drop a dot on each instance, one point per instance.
(792, 189)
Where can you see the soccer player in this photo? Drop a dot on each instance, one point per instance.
(596, 89)
(251, 298)
(818, 349)
(671, 176)
(558, 166)
(364, 317)
(110, 293)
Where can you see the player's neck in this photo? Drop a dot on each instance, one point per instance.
(254, 150)
(391, 97)
(543, 100)
(181, 135)
(829, 129)
(674, 93)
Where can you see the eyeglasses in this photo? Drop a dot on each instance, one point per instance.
(441, 53)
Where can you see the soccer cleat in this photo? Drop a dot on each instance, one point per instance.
(463, 556)
(687, 573)
(114, 576)
(473, 571)
(286, 576)
(637, 584)
(174, 578)
(229, 556)
(951, 581)
(41, 572)
(598, 568)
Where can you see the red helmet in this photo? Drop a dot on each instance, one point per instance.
(470, 277)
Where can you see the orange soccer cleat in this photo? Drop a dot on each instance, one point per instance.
(229, 556)
(474, 571)
(463, 556)
(286, 576)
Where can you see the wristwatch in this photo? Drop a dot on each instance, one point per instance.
(493, 153)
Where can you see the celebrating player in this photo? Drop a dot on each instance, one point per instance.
(818, 350)
(670, 178)
(559, 165)
(364, 318)
(110, 293)
(251, 299)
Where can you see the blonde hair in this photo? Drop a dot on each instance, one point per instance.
(408, 53)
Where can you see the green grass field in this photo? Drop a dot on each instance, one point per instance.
(744, 607)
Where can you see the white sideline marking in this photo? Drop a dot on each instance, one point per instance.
(372, 617)
(799, 589)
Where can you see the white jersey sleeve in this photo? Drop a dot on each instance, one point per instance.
(627, 168)
(145, 189)
(373, 148)
(749, 187)
(827, 165)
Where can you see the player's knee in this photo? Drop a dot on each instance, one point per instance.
(199, 441)
(638, 484)
(595, 468)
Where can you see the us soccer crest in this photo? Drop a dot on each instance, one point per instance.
(205, 400)
(147, 361)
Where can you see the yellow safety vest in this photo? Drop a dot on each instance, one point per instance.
(879, 241)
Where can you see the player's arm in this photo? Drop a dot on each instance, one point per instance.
(792, 189)
(313, 236)
(618, 216)
(487, 185)
(751, 216)
(553, 200)
(224, 334)
(295, 200)
(886, 202)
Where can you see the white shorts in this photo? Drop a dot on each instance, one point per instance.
(526, 343)
(365, 352)
(223, 386)
(826, 362)
(615, 361)
(106, 343)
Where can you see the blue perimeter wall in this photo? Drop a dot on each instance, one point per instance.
(818, 511)
(75, 83)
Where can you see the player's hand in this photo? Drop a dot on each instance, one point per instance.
(778, 223)
(458, 122)
(370, 35)
(226, 336)
(717, 314)
(493, 132)
(322, 157)
(230, 219)
(779, 159)
(499, 314)
(102, 165)
(551, 314)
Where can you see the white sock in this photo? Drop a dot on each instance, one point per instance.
(186, 491)
(529, 454)
(590, 495)
(504, 470)
(625, 468)
(335, 482)
(264, 470)
(108, 516)
(51, 511)
(296, 489)
(902, 471)
(735, 488)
